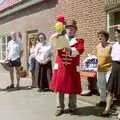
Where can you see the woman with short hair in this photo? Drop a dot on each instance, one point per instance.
(104, 65)
(43, 54)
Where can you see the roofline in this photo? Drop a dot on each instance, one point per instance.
(19, 7)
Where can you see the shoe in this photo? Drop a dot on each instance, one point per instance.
(59, 112)
(101, 104)
(11, 86)
(32, 86)
(118, 116)
(40, 90)
(95, 92)
(105, 114)
(86, 94)
(17, 87)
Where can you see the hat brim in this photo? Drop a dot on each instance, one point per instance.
(71, 26)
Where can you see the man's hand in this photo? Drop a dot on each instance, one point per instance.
(55, 35)
(67, 50)
(98, 66)
(43, 62)
(21, 53)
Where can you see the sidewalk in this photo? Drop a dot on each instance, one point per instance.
(89, 99)
(5, 81)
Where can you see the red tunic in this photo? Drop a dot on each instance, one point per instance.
(66, 77)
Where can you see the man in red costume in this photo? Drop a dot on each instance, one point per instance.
(66, 76)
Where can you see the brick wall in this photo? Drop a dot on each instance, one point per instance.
(90, 16)
(39, 17)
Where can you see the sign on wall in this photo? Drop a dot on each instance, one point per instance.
(8, 3)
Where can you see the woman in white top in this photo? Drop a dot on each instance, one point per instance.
(43, 70)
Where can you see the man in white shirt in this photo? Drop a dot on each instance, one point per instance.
(15, 51)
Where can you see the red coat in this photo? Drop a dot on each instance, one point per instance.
(66, 78)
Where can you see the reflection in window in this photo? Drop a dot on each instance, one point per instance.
(3, 47)
(114, 19)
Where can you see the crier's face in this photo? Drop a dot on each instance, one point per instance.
(70, 31)
(102, 38)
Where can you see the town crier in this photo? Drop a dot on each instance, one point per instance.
(66, 75)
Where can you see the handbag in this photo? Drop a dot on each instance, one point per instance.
(22, 72)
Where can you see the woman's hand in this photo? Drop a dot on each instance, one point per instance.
(44, 62)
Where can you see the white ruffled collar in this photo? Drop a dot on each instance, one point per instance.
(72, 41)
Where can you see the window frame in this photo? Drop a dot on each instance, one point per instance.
(2, 59)
(110, 13)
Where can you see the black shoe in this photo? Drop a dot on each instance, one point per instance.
(17, 87)
(101, 104)
(87, 94)
(32, 86)
(105, 114)
(11, 86)
(95, 92)
(40, 90)
(59, 112)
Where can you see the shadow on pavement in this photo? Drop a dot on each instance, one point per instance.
(90, 110)
(16, 89)
(24, 88)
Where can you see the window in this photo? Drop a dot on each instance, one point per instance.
(113, 19)
(3, 47)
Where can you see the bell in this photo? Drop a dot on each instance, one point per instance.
(59, 26)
